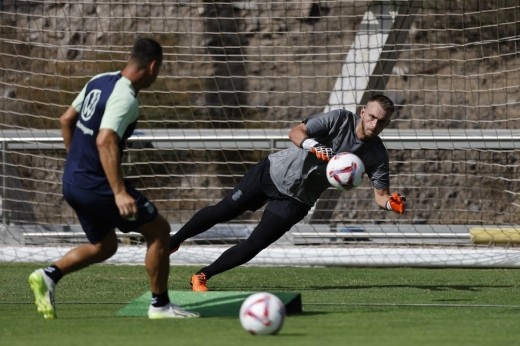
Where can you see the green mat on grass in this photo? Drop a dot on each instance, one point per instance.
(210, 304)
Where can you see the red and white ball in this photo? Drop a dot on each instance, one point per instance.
(262, 313)
(345, 171)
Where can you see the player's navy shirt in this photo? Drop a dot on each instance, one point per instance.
(301, 175)
(109, 101)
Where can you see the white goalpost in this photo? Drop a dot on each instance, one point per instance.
(237, 75)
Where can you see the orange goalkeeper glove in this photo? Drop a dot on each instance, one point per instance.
(396, 202)
(322, 152)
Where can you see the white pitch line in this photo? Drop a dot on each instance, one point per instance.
(422, 305)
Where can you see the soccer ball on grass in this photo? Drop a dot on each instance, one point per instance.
(345, 171)
(262, 313)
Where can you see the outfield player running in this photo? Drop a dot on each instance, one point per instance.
(95, 128)
(290, 181)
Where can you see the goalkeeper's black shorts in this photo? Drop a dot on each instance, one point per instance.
(257, 189)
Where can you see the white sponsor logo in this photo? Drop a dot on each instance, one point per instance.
(85, 129)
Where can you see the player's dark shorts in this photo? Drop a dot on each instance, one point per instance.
(257, 188)
(98, 213)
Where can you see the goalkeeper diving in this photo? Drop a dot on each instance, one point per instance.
(290, 181)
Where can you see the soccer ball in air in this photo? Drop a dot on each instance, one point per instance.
(345, 171)
(262, 313)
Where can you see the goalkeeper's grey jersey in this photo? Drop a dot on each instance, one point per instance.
(301, 175)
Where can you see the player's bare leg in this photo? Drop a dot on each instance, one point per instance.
(43, 281)
(157, 235)
(88, 254)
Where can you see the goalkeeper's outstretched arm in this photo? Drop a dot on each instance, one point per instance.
(393, 202)
(298, 135)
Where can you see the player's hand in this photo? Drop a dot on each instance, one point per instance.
(322, 152)
(397, 203)
(127, 205)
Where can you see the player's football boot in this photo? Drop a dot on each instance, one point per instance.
(43, 289)
(198, 283)
(169, 311)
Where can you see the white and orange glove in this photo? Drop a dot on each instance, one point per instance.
(322, 152)
(396, 203)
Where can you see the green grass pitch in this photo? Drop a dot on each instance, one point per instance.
(341, 306)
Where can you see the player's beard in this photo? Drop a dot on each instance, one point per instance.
(367, 134)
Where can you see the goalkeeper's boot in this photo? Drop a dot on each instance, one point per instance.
(169, 311)
(198, 282)
(43, 289)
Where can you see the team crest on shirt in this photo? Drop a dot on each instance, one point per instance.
(89, 104)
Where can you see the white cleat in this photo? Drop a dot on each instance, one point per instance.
(169, 311)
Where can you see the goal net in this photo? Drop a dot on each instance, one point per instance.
(237, 75)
